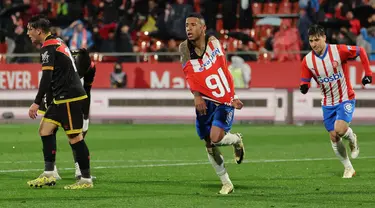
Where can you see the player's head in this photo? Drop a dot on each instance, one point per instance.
(195, 26)
(37, 28)
(317, 38)
(82, 60)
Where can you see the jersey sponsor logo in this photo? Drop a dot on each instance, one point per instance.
(45, 57)
(211, 58)
(331, 78)
(348, 107)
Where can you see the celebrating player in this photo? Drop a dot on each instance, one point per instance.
(60, 75)
(210, 81)
(86, 70)
(327, 64)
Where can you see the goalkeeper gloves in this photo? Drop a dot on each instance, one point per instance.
(366, 80)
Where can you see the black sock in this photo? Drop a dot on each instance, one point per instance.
(49, 151)
(83, 158)
(74, 153)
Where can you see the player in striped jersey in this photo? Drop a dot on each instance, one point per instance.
(327, 64)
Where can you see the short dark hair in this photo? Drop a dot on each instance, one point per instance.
(197, 15)
(316, 30)
(40, 22)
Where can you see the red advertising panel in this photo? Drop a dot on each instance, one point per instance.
(169, 75)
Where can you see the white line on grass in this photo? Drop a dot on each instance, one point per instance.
(186, 164)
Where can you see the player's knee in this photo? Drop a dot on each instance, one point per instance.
(341, 127)
(216, 136)
(74, 138)
(333, 136)
(44, 131)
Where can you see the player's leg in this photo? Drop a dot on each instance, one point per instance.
(217, 161)
(55, 171)
(72, 124)
(220, 135)
(329, 114)
(85, 129)
(42, 111)
(344, 117)
(46, 129)
(203, 126)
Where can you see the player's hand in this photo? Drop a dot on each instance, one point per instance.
(304, 88)
(237, 104)
(200, 105)
(366, 80)
(33, 110)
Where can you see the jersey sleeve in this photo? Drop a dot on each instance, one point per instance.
(88, 79)
(306, 74)
(47, 57)
(348, 52)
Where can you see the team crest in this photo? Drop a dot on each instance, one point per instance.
(45, 57)
(348, 107)
(335, 64)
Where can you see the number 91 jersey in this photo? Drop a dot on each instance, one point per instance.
(210, 75)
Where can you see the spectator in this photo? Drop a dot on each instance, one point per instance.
(118, 77)
(78, 36)
(369, 36)
(241, 72)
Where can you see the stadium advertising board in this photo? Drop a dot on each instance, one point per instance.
(170, 75)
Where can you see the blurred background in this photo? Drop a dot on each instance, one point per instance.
(135, 46)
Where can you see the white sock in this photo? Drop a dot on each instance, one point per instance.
(349, 135)
(340, 151)
(54, 168)
(217, 161)
(48, 173)
(229, 139)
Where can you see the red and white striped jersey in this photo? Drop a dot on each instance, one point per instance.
(210, 75)
(331, 72)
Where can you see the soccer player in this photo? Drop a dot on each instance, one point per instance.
(327, 64)
(60, 75)
(86, 70)
(206, 71)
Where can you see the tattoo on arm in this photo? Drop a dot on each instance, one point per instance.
(184, 51)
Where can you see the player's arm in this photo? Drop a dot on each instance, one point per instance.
(306, 76)
(88, 79)
(350, 52)
(236, 100)
(199, 102)
(48, 61)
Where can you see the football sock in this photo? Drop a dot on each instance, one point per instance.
(74, 153)
(83, 157)
(340, 151)
(217, 161)
(49, 151)
(349, 135)
(229, 139)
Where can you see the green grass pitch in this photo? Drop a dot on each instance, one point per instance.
(167, 166)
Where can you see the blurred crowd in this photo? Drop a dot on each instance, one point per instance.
(274, 30)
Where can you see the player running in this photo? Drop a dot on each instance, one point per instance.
(60, 75)
(327, 64)
(86, 70)
(210, 81)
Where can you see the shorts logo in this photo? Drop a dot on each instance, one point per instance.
(229, 117)
(348, 107)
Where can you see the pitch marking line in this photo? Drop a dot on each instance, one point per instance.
(185, 164)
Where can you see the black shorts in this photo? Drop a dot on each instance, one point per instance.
(67, 115)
